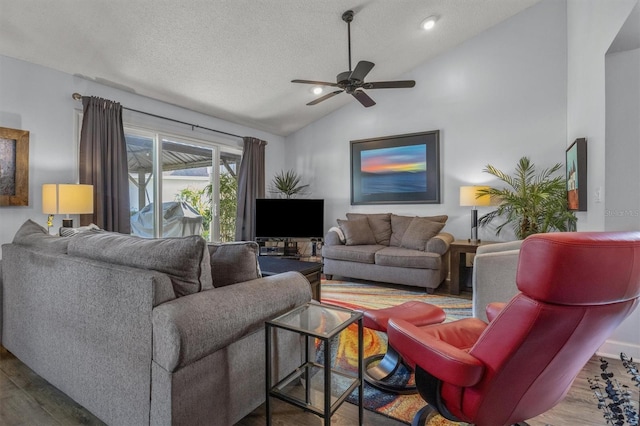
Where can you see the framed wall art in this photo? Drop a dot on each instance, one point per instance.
(400, 169)
(14, 167)
(576, 157)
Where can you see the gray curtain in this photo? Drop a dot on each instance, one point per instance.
(103, 164)
(250, 187)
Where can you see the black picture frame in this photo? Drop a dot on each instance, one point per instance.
(400, 169)
(576, 169)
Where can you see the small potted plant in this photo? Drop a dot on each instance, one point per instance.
(287, 185)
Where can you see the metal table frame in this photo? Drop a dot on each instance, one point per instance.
(303, 323)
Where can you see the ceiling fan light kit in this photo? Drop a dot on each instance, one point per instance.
(352, 81)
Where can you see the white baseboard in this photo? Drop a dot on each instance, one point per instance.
(613, 348)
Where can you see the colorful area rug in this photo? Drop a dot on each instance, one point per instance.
(361, 295)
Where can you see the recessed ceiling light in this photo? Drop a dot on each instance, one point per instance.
(316, 90)
(429, 22)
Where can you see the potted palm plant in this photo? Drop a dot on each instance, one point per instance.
(530, 202)
(287, 184)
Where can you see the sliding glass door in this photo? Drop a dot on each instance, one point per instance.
(195, 191)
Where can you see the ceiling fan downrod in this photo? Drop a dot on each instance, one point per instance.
(348, 17)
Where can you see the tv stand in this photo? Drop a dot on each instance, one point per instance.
(283, 247)
(292, 248)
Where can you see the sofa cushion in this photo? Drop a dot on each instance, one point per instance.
(399, 225)
(380, 224)
(360, 254)
(357, 232)
(185, 260)
(419, 232)
(234, 262)
(33, 235)
(407, 258)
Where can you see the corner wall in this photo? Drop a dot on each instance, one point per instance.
(494, 98)
(592, 27)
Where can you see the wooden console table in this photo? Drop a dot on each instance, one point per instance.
(457, 249)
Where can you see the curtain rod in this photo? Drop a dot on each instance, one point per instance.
(78, 97)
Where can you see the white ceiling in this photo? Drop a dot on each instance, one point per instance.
(628, 37)
(234, 59)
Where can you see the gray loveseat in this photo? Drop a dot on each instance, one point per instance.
(389, 248)
(142, 331)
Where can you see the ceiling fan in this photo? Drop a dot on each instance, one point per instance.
(353, 82)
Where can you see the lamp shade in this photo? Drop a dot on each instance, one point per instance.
(58, 198)
(469, 196)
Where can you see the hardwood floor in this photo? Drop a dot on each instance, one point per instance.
(27, 399)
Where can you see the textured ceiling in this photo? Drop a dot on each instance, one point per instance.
(234, 59)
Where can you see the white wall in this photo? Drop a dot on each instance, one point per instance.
(592, 26)
(622, 151)
(495, 98)
(38, 99)
(622, 202)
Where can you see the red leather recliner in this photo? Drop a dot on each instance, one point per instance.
(575, 289)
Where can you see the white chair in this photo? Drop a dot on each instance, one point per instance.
(494, 275)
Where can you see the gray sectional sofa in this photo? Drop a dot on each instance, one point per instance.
(389, 248)
(142, 331)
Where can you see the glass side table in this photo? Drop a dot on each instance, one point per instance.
(313, 386)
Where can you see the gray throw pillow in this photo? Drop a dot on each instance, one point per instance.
(234, 262)
(185, 260)
(419, 232)
(33, 235)
(399, 225)
(357, 232)
(380, 224)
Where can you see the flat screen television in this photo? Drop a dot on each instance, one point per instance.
(289, 218)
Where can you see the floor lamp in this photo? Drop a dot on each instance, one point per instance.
(470, 196)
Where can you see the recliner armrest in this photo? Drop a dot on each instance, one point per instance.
(441, 349)
(493, 309)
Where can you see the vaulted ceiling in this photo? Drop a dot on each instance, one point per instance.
(234, 59)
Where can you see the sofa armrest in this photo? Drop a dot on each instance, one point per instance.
(192, 327)
(494, 278)
(334, 237)
(440, 243)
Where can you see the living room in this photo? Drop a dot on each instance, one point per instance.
(530, 86)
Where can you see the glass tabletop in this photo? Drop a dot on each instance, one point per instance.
(317, 320)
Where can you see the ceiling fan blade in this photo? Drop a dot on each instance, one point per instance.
(319, 83)
(399, 84)
(324, 98)
(361, 70)
(363, 98)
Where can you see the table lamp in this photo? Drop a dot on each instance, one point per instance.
(59, 198)
(469, 196)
